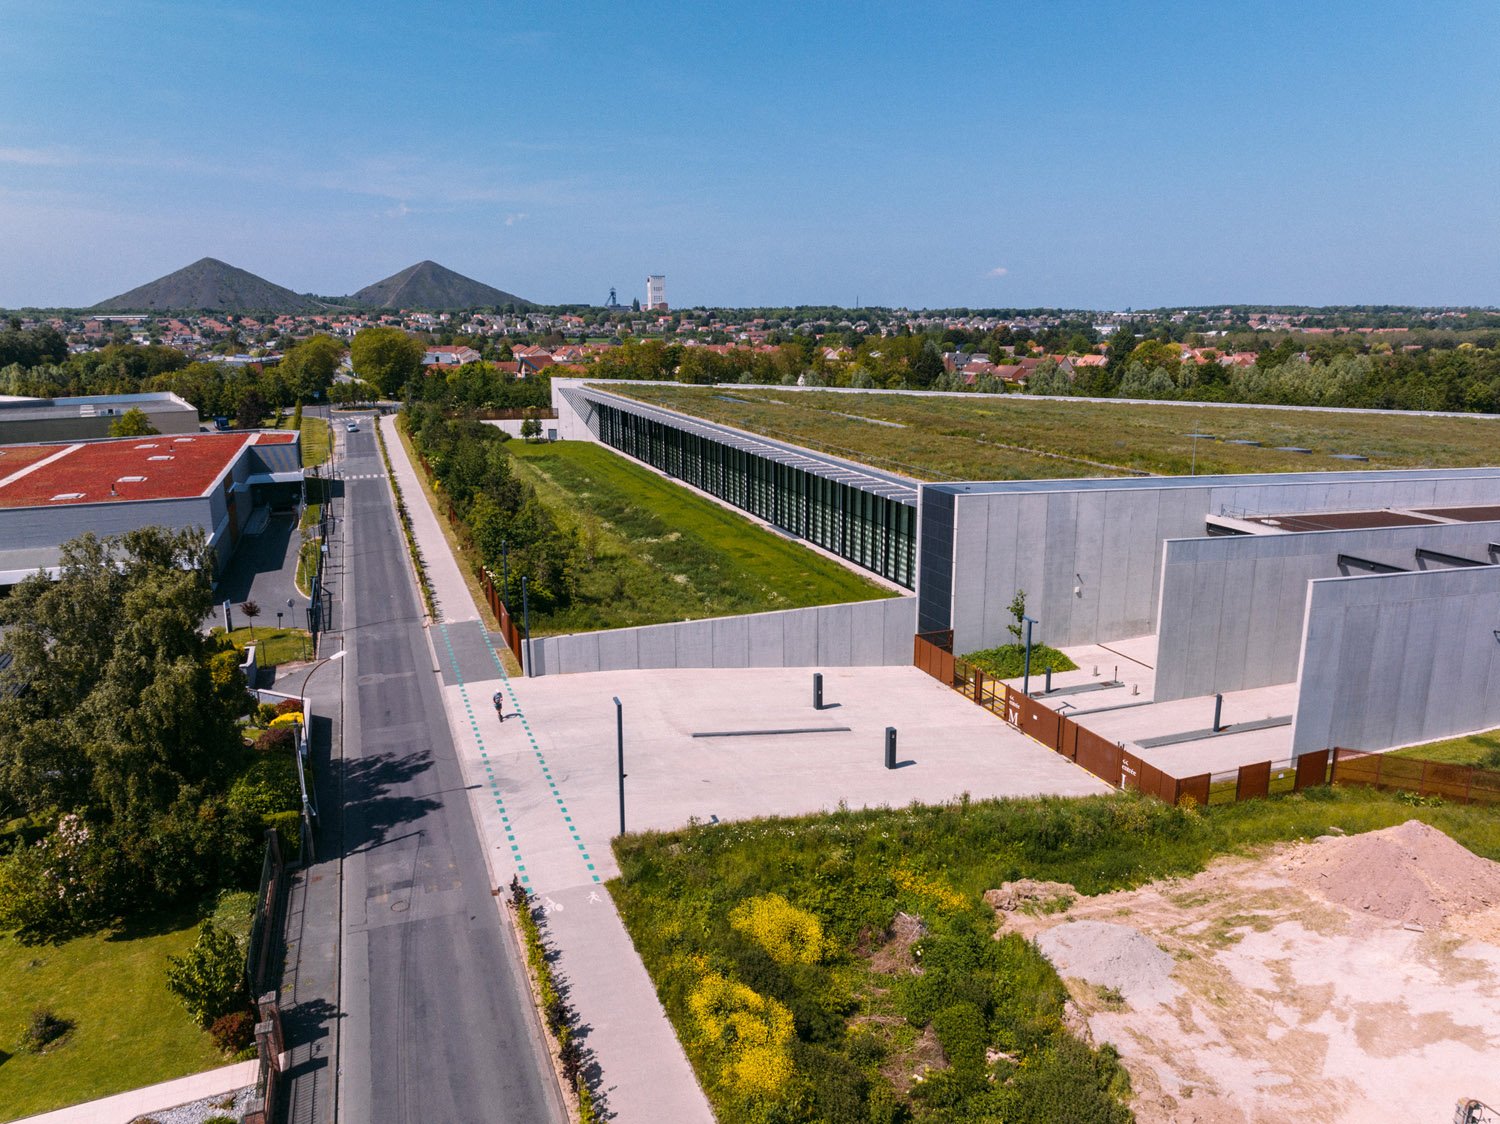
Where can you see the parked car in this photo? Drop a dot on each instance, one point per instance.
(353, 426)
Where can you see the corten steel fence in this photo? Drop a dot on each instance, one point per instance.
(1465, 784)
(1113, 764)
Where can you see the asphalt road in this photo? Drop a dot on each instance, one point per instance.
(438, 1023)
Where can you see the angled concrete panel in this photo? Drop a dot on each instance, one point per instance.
(731, 639)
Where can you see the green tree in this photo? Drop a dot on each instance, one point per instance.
(210, 977)
(1017, 610)
(308, 367)
(387, 358)
(132, 423)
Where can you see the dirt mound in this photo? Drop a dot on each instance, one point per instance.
(1411, 873)
(1031, 896)
(1114, 956)
(893, 955)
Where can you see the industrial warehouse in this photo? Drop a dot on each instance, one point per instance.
(1367, 601)
(53, 492)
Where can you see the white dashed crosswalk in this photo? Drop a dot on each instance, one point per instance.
(366, 476)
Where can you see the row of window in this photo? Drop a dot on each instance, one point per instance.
(869, 530)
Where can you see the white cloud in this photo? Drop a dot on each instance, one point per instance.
(998, 271)
(38, 157)
(514, 217)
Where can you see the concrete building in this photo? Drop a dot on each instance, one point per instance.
(656, 292)
(50, 493)
(89, 416)
(1376, 594)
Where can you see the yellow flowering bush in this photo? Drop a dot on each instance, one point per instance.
(788, 934)
(928, 888)
(287, 719)
(748, 1033)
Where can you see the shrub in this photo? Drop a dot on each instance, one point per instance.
(233, 1032)
(288, 706)
(268, 785)
(961, 1031)
(288, 827)
(44, 1029)
(287, 718)
(748, 1035)
(279, 739)
(210, 977)
(234, 913)
(1008, 661)
(264, 713)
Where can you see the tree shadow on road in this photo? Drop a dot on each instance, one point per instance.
(374, 803)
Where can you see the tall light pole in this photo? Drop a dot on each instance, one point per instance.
(620, 753)
(1026, 672)
(526, 624)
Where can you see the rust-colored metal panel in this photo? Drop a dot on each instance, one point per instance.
(1254, 781)
(1196, 787)
(1099, 756)
(1312, 769)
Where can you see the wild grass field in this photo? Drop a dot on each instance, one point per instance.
(786, 950)
(1018, 437)
(652, 551)
(1471, 749)
(128, 1030)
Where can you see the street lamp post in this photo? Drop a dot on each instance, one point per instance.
(1026, 670)
(620, 753)
(505, 572)
(526, 625)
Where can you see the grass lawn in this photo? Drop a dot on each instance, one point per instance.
(1471, 749)
(1018, 437)
(128, 1031)
(273, 646)
(315, 441)
(777, 949)
(1009, 660)
(654, 552)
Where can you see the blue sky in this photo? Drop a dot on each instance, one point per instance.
(1104, 155)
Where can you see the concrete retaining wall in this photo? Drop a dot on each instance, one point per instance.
(1390, 659)
(1088, 553)
(859, 634)
(1232, 608)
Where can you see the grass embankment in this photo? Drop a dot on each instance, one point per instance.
(128, 1030)
(652, 551)
(1471, 749)
(273, 646)
(1017, 437)
(777, 947)
(1009, 660)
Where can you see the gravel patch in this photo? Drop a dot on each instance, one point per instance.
(1109, 955)
(196, 1112)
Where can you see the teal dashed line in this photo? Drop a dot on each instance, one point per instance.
(484, 754)
(526, 726)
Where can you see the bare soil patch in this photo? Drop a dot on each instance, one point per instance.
(1347, 979)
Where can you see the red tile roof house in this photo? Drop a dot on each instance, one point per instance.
(50, 493)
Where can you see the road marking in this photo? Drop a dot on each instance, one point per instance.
(515, 704)
(484, 757)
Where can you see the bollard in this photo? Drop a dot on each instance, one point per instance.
(817, 690)
(1047, 688)
(1218, 712)
(890, 747)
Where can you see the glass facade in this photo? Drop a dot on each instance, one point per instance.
(870, 530)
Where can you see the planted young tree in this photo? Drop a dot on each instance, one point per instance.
(251, 610)
(1017, 610)
(132, 423)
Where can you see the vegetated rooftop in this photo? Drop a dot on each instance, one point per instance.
(945, 437)
(159, 467)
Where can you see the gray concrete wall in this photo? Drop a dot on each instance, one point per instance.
(1232, 608)
(859, 634)
(1090, 558)
(49, 526)
(1390, 659)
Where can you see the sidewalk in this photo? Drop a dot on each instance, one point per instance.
(640, 1071)
(449, 590)
(153, 1098)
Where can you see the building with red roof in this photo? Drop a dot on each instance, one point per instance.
(53, 492)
